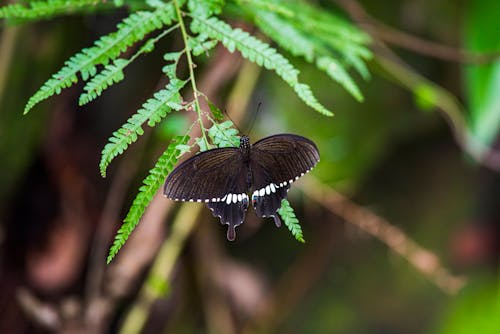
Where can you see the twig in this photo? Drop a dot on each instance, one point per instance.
(411, 42)
(42, 314)
(7, 44)
(425, 261)
(159, 276)
(293, 285)
(444, 101)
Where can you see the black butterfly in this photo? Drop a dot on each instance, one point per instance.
(222, 177)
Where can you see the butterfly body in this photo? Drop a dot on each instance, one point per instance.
(223, 177)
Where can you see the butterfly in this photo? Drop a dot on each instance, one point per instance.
(223, 177)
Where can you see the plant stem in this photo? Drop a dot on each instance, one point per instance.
(191, 71)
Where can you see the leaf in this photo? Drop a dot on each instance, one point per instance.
(224, 135)
(132, 29)
(37, 10)
(152, 112)
(482, 81)
(337, 73)
(216, 112)
(260, 53)
(111, 74)
(205, 8)
(150, 187)
(290, 220)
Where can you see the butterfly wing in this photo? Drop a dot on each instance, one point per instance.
(276, 162)
(216, 177)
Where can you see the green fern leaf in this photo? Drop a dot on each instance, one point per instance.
(150, 187)
(111, 74)
(258, 52)
(337, 73)
(130, 30)
(205, 8)
(224, 135)
(171, 69)
(216, 112)
(285, 34)
(152, 112)
(37, 10)
(290, 220)
(289, 37)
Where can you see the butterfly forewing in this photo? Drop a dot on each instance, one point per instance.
(216, 177)
(204, 177)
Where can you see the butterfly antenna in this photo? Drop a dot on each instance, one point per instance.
(254, 118)
(236, 126)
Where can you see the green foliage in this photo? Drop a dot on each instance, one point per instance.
(258, 52)
(150, 187)
(132, 29)
(216, 112)
(224, 135)
(482, 81)
(290, 220)
(46, 9)
(326, 41)
(111, 74)
(152, 112)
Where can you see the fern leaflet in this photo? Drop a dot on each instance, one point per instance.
(290, 220)
(150, 187)
(258, 52)
(224, 135)
(46, 9)
(152, 112)
(130, 30)
(113, 73)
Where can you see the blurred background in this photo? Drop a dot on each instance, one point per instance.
(411, 245)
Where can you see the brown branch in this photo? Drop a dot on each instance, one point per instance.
(423, 260)
(450, 108)
(411, 42)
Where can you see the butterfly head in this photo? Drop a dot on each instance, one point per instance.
(244, 143)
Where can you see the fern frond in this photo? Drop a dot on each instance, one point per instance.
(290, 220)
(258, 52)
(299, 43)
(150, 187)
(205, 8)
(111, 74)
(216, 112)
(224, 135)
(285, 34)
(339, 74)
(152, 112)
(46, 9)
(109, 47)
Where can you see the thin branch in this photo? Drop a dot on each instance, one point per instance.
(160, 274)
(451, 109)
(411, 42)
(423, 260)
(190, 65)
